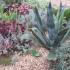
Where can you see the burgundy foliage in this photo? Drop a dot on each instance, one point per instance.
(20, 8)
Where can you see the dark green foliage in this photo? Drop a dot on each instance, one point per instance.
(50, 21)
(60, 10)
(39, 30)
(67, 14)
(50, 25)
(60, 37)
(38, 19)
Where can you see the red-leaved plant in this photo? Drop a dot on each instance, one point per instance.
(20, 8)
(7, 28)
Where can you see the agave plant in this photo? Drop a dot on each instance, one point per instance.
(56, 33)
(55, 29)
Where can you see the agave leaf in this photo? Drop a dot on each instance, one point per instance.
(61, 20)
(37, 15)
(65, 36)
(41, 39)
(25, 37)
(57, 18)
(56, 23)
(60, 36)
(39, 22)
(50, 19)
(60, 17)
(59, 11)
(38, 35)
(50, 25)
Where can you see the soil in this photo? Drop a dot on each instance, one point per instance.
(29, 62)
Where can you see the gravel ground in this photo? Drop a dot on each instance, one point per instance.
(28, 62)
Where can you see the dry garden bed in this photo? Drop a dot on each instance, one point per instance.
(29, 62)
(25, 28)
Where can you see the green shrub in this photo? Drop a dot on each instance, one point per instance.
(67, 14)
